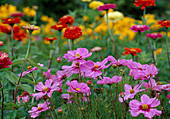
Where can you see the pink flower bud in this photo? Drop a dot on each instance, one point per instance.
(59, 111)
(59, 59)
(60, 90)
(89, 82)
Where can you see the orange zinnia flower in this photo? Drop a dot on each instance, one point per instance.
(72, 32)
(132, 51)
(144, 3)
(50, 39)
(5, 29)
(59, 26)
(165, 23)
(66, 19)
(11, 21)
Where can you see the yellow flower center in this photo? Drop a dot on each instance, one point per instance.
(45, 89)
(29, 67)
(59, 25)
(77, 55)
(77, 89)
(77, 64)
(96, 67)
(39, 108)
(132, 91)
(133, 50)
(145, 106)
(159, 83)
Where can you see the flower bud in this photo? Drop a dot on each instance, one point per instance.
(60, 90)
(45, 97)
(59, 111)
(59, 59)
(89, 82)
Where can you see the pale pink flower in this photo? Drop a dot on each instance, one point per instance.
(48, 89)
(152, 85)
(74, 86)
(145, 106)
(34, 112)
(139, 28)
(109, 81)
(95, 49)
(78, 55)
(106, 7)
(24, 96)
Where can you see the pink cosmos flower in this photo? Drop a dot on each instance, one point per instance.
(17, 14)
(152, 85)
(62, 75)
(95, 49)
(30, 69)
(67, 98)
(139, 28)
(1, 43)
(131, 92)
(122, 97)
(154, 35)
(145, 106)
(24, 96)
(109, 81)
(74, 86)
(34, 112)
(48, 89)
(166, 87)
(4, 60)
(78, 55)
(120, 62)
(106, 7)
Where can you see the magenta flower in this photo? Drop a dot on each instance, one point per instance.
(24, 96)
(45, 89)
(17, 14)
(139, 28)
(34, 112)
(4, 60)
(106, 7)
(59, 59)
(145, 106)
(67, 98)
(78, 55)
(109, 81)
(131, 92)
(120, 62)
(30, 69)
(154, 35)
(77, 87)
(152, 85)
(122, 97)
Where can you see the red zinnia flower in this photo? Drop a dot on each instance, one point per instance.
(72, 32)
(17, 14)
(165, 23)
(144, 3)
(132, 51)
(11, 21)
(66, 19)
(50, 39)
(1, 43)
(106, 7)
(20, 35)
(4, 60)
(59, 26)
(5, 29)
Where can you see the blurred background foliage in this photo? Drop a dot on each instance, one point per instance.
(58, 8)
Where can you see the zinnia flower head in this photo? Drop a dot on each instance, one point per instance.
(165, 23)
(145, 106)
(95, 4)
(154, 35)
(72, 32)
(4, 60)
(109, 81)
(106, 7)
(50, 39)
(114, 16)
(34, 112)
(17, 14)
(30, 27)
(74, 86)
(11, 21)
(132, 51)
(66, 19)
(139, 28)
(5, 28)
(144, 3)
(59, 26)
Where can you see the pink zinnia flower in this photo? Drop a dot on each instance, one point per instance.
(1, 43)
(131, 92)
(17, 14)
(48, 89)
(79, 55)
(154, 35)
(95, 49)
(30, 69)
(152, 85)
(109, 81)
(24, 96)
(34, 112)
(4, 60)
(145, 106)
(77, 87)
(106, 7)
(139, 28)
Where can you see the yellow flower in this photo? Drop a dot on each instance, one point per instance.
(47, 42)
(158, 51)
(150, 19)
(95, 4)
(97, 18)
(36, 31)
(44, 18)
(85, 18)
(29, 12)
(23, 23)
(114, 16)
(6, 10)
(104, 12)
(86, 0)
(102, 28)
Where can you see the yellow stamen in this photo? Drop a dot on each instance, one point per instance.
(133, 50)
(145, 106)
(159, 83)
(77, 55)
(45, 89)
(29, 67)
(96, 67)
(39, 108)
(132, 91)
(77, 89)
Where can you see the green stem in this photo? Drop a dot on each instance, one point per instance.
(111, 35)
(29, 44)
(2, 110)
(12, 52)
(53, 108)
(80, 107)
(154, 46)
(34, 87)
(72, 41)
(144, 20)
(69, 44)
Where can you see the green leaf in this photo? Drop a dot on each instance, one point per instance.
(12, 115)
(27, 80)
(17, 61)
(10, 104)
(35, 64)
(26, 87)
(11, 77)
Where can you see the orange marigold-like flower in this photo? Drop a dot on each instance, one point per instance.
(165, 23)
(20, 35)
(144, 3)
(11, 21)
(132, 51)
(72, 32)
(66, 19)
(5, 29)
(50, 39)
(59, 26)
